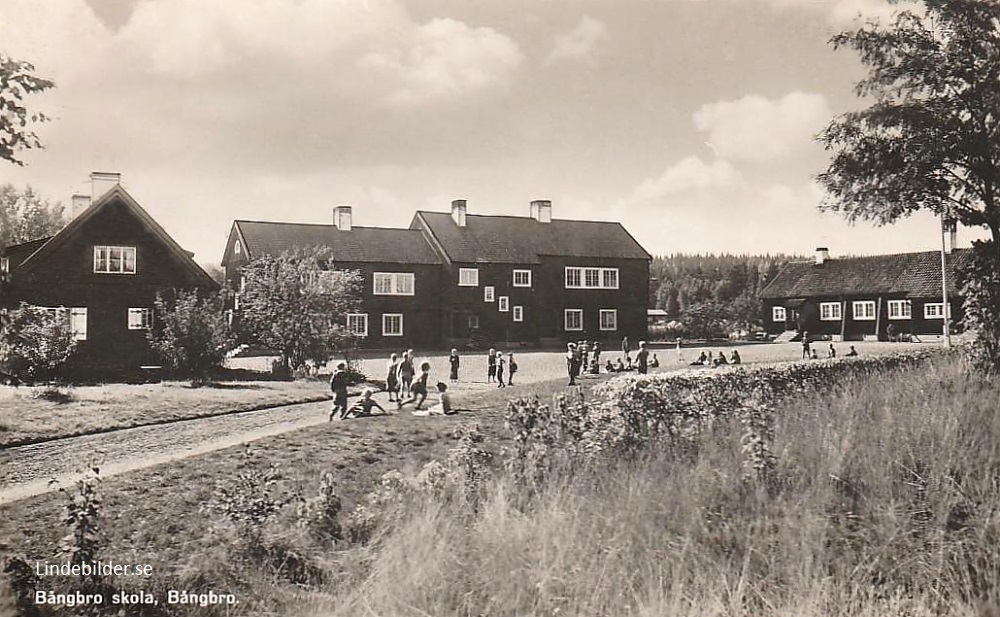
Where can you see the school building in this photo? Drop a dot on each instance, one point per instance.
(452, 279)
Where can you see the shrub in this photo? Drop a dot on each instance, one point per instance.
(979, 281)
(191, 333)
(34, 343)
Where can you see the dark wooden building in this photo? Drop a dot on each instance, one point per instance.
(864, 297)
(536, 279)
(455, 278)
(401, 300)
(103, 271)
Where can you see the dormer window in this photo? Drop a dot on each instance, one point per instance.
(114, 259)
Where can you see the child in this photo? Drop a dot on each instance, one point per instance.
(338, 385)
(735, 359)
(655, 362)
(418, 388)
(404, 375)
(391, 379)
(853, 352)
(642, 358)
(609, 367)
(511, 368)
(621, 366)
(363, 406)
(572, 364)
(453, 361)
(814, 356)
(832, 353)
(491, 366)
(721, 360)
(443, 407)
(500, 365)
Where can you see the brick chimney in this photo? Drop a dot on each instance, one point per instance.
(822, 255)
(951, 226)
(103, 181)
(342, 217)
(79, 203)
(458, 211)
(541, 210)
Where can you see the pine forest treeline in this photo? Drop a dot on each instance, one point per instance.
(712, 295)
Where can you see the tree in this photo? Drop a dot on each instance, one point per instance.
(293, 304)
(17, 80)
(191, 333)
(930, 140)
(34, 343)
(25, 216)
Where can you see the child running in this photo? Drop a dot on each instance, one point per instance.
(418, 389)
(338, 385)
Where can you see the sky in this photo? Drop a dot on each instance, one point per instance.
(691, 122)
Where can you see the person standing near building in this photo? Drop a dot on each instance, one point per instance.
(572, 364)
(626, 350)
(642, 358)
(491, 365)
(391, 378)
(500, 366)
(511, 368)
(453, 362)
(805, 346)
(405, 375)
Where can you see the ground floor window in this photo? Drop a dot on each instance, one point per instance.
(864, 310)
(573, 320)
(778, 314)
(140, 318)
(609, 319)
(357, 324)
(935, 310)
(392, 324)
(900, 309)
(829, 311)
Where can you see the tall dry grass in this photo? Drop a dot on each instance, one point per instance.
(885, 501)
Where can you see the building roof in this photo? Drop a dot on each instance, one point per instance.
(360, 244)
(17, 253)
(521, 239)
(914, 275)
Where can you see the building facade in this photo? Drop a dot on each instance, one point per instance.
(877, 297)
(103, 271)
(476, 279)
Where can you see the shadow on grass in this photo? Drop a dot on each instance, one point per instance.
(214, 385)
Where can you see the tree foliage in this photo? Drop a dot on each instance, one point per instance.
(25, 216)
(34, 343)
(930, 140)
(18, 80)
(294, 304)
(191, 332)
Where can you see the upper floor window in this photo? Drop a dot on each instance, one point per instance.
(140, 318)
(114, 259)
(900, 309)
(488, 293)
(591, 278)
(864, 310)
(237, 247)
(518, 313)
(830, 311)
(468, 277)
(393, 284)
(503, 304)
(522, 278)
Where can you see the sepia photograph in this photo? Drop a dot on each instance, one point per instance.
(500, 308)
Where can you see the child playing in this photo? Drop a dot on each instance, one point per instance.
(500, 366)
(443, 407)
(418, 388)
(363, 406)
(511, 368)
(491, 366)
(338, 385)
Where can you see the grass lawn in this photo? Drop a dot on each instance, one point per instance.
(25, 418)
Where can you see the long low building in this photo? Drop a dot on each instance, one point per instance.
(875, 297)
(456, 278)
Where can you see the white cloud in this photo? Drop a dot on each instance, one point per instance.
(442, 59)
(754, 128)
(689, 174)
(580, 41)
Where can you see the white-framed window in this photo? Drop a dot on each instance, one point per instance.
(935, 310)
(573, 320)
(357, 324)
(830, 311)
(237, 248)
(488, 293)
(473, 322)
(4, 265)
(522, 278)
(778, 313)
(518, 313)
(392, 324)
(78, 322)
(468, 277)
(591, 278)
(393, 283)
(140, 318)
(864, 310)
(609, 319)
(503, 304)
(114, 259)
(900, 309)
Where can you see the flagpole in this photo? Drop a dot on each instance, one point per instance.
(945, 313)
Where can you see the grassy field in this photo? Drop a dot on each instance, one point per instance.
(26, 417)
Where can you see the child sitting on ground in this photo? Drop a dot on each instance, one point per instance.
(443, 407)
(363, 406)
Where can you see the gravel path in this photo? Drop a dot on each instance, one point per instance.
(26, 471)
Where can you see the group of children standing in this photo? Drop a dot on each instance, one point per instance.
(403, 384)
(496, 366)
